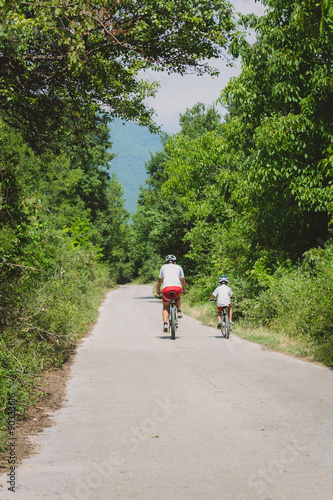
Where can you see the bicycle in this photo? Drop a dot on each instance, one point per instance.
(225, 322)
(173, 317)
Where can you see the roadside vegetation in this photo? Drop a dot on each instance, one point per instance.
(52, 271)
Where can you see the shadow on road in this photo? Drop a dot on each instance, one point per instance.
(151, 298)
(167, 337)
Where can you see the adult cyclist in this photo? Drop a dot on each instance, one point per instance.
(172, 279)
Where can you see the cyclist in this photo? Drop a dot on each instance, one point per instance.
(172, 279)
(223, 294)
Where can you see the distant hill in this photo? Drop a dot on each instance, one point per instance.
(133, 145)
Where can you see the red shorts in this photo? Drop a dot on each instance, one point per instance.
(221, 307)
(166, 292)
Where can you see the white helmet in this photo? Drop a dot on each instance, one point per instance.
(170, 258)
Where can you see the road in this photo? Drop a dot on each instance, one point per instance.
(199, 417)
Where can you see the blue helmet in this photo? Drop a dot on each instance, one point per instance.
(223, 279)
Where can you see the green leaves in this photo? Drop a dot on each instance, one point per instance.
(316, 16)
(90, 54)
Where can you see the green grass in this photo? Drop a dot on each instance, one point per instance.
(206, 313)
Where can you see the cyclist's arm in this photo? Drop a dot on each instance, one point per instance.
(212, 297)
(159, 283)
(183, 282)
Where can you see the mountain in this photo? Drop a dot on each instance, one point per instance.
(132, 144)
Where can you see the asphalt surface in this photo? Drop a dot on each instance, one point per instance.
(199, 417)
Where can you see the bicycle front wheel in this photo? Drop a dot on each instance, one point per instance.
(173, 320)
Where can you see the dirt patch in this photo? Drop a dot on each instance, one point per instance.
(54, 386)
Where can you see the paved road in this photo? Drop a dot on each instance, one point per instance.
(196, 418)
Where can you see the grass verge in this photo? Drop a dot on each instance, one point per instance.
(206, 313)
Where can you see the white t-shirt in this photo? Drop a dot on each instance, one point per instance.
(223, 294)
(171, 274)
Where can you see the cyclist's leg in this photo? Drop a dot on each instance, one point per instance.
(230, 313)
(219, 318)
(166, 304)
(165, 311)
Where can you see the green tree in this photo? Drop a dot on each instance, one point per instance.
(198, 120)
(84, 57)
(203, 173)
(180, 210)
(158, 224)
(283, 102)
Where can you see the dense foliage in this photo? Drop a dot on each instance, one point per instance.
(83, 57)
(252, 196)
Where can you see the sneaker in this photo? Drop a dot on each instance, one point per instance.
(231, 323)
(219, 324)
(179, 313)
(165, 327)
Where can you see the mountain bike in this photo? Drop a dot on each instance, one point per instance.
(225, 322)
(173, 317)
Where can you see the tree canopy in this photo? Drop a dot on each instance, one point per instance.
(84, 57)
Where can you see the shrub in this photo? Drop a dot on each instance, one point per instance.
(299, 302)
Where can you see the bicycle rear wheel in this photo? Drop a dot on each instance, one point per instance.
(225, 325)
(173, 321)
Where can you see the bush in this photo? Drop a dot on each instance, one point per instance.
(299, 302)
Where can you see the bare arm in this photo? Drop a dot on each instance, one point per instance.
(159, 283)
(183, 282)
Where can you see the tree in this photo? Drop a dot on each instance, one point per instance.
(198, 120)
(283, 103)
(85, 56)
(159, 224)
(185, 200)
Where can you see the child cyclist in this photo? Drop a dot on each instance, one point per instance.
(223, 294)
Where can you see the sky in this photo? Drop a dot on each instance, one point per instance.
(177, 93)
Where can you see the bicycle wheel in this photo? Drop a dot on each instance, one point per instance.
(225, 325)
(173, 322)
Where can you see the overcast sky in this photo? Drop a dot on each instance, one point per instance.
(177, 93)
